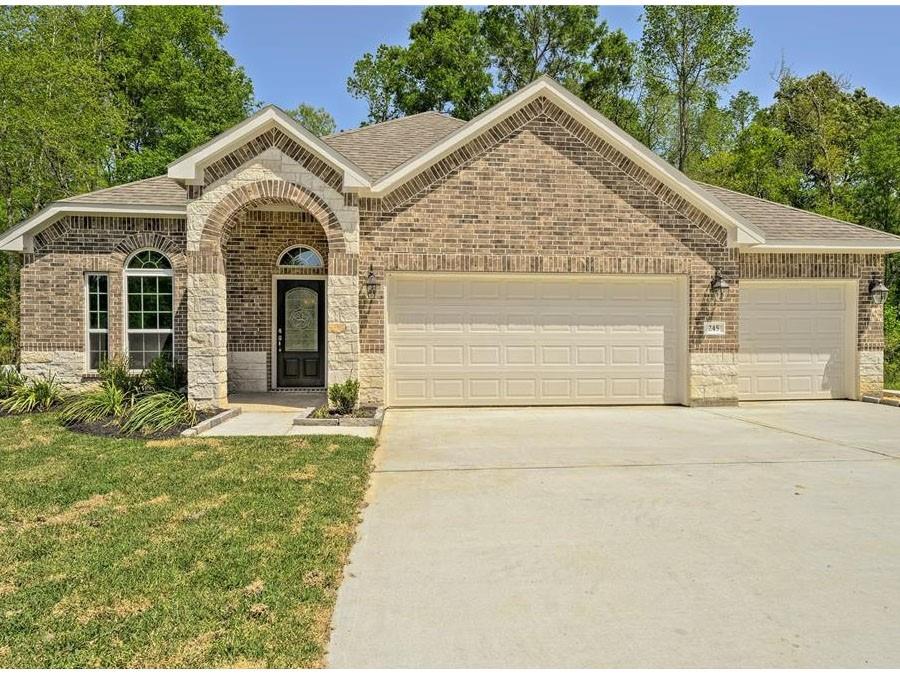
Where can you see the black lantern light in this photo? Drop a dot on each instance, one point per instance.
(719, 286)
(878, 291)
(371, 283)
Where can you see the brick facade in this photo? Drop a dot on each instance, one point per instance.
(536, 193)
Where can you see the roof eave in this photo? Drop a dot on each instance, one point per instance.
(189, 168)
(824, 246)
(14, 239)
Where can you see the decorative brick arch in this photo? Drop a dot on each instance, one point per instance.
(270, 191)
(158, 242)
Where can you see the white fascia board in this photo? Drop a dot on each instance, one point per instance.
(857, 246)
(739, 230)
(189, 167)
(14, 239)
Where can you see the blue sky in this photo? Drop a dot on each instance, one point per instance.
(296, 54)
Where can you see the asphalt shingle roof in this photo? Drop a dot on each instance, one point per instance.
(378, 149)
(780, 223)
(157, 191)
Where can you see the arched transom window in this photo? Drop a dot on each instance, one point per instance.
(301, 256)
(148, 308)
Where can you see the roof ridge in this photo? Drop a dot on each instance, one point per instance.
(796, 208)
(347, 132)
(113, 187)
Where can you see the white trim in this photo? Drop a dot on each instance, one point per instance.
(273, 374)
(189, 168)
(126, 275)
(823, 246)
(14, 239)
(740, 231)
(88, 331)
(300, 267)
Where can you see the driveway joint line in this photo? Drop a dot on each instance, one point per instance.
(801, 434)
(630, 466)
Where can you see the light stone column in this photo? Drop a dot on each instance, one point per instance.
(871, 372)
(343, 327)
(713, 378)
(207, 331)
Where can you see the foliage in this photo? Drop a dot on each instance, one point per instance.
(180, 553)
(610, 81)
(163, 375)
(877, 192)
(159, 412)
(105, 403)
(528, 40)
(892, 344)
(116, 372)
(343, 396)
(316, 120)
(444, 68)
(10, 378)
(33, 395)
(692, 52)
(176, 82)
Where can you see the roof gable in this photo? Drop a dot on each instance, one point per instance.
(189, 167)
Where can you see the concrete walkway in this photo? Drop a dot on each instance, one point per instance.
(766, 535)
(281, 424)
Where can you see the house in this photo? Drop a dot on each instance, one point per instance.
(534, 255)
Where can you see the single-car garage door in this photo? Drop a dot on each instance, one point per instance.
(482, 339)
(796, 339)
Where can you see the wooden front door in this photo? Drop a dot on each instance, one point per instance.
(300, 337)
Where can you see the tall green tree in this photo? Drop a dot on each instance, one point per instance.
(526, 41)
(692, 52)
(610, 80)
(878, 181)
(317, 120)
(444, 67)
(180, 85)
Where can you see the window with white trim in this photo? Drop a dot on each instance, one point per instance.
(96, 289)
(301, 256)
(148, 308)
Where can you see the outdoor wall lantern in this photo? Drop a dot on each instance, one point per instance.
(877, 291)
(371, 283)
(719, 286)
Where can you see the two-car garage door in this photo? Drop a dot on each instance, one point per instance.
(481, 339)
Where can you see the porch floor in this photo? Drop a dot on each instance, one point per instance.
(276, 401)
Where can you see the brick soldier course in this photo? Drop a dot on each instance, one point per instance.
(536, 191)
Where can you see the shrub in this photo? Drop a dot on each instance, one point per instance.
(343, 396)
(116, 372)
(107, 402)
(10, 378)
(891, 347)
(163, 375)
(159, 412)
(36, 395)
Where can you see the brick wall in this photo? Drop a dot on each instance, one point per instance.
(53, 312)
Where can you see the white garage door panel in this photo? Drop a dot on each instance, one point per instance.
(473, 339)
(794, 340)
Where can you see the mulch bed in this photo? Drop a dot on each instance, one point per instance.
(110, 429)
(359, 412)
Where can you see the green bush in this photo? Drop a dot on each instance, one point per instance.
(10, 378)
(33, 395)
(105, 403)
(159, 412)
(343, 396)
(891, 347)
(116, 372)
(163, 375)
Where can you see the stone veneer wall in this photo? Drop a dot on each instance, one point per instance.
(53, 320)
(540, 195)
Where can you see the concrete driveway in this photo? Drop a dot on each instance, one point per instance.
(765, 535)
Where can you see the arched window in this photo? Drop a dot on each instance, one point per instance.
(148, 307)
(301, 256)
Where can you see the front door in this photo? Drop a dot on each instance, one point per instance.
(300, 337)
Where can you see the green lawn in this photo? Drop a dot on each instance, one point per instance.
(188, 552)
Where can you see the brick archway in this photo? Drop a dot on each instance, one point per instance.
(270, 191)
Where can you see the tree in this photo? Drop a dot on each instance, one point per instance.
(526, 41)
(742, 108)
(180, 85)
(612, 77)
(444, 67)
(692, 52)
(317, 120)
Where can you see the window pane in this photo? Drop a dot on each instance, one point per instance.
(134, 285)
(98, 350)
(101, 320)
(165, 284)
(165, 320)
(134, 320)
(165, 302)
(150, 303)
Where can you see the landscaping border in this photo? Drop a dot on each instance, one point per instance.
(213, 421)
